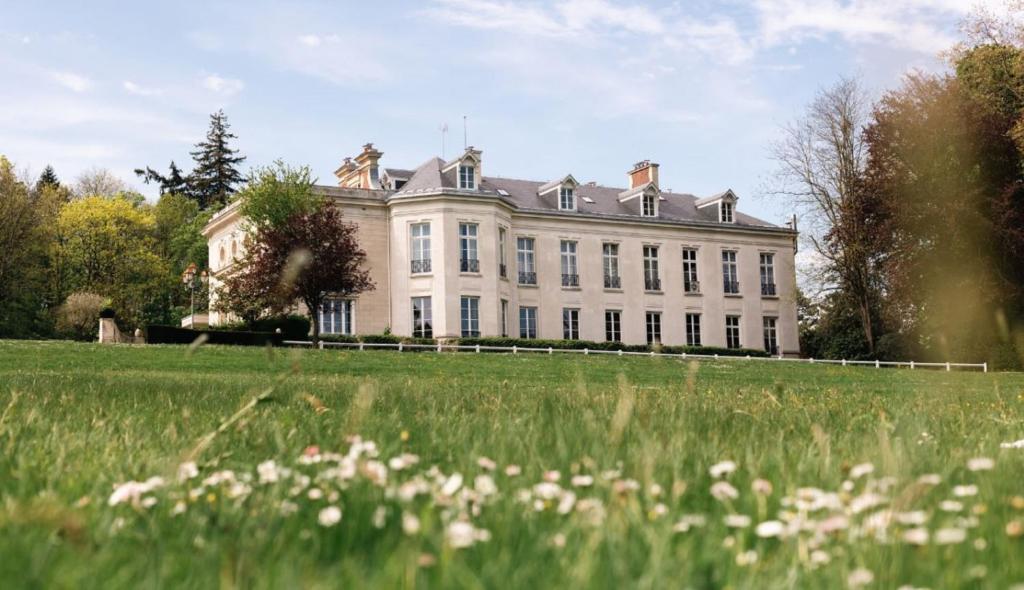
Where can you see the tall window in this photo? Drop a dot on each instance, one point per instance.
(527, 322)
(336, 316)
(652, 281)
(422, 318)
(611, 267)
(730, 277)
(566, 199)
(502, 252)
(771, 339)
(468, 260)
(767, 274)
(726, 209)
(613, 326)
(504, 318)
(524, 257)
(732, 331)
(649, 206)
(693, 329)
(470, 317)
(690, 282)
(570, 271)
(420, 247)
(653, 327)
(570, 324)
(467, 177)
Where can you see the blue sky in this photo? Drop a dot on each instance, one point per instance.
(586, 87)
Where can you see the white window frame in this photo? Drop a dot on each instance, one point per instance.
(469, 314)
(570, 323)
(504, 318)
(337, 316)
(613, 325)
(690, 270)
(502, 251)
(566, 198)
(468, 246)
(424, 327)
(467, 176)
(648, 205)
(526, 255)
(730, 269)
(770, 330)
(420, 241)
(570, 265)
(693, 335)
(726, 212)
(528, 322)
(737, 328)
(653, 328)
(651, 270)
(767, 267)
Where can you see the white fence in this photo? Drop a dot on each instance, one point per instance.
(401, 347)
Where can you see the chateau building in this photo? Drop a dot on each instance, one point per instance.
(456, 253)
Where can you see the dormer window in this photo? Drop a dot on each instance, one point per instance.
(649, 206)
(725, 212)
(467, 177)
(567, 199)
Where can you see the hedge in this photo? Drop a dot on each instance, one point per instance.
(611, 346)
(375, 339)
(156, 334)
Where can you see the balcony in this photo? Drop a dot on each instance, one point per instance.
(768, 290)
(469, 265)
(612, 282)
(527, 278)
(503, 270)
(691, 287)
(570, 280)
(652, 283)
(420, 266)
(731, 287)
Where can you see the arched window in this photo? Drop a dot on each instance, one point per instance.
(221, 261)
(234, 250)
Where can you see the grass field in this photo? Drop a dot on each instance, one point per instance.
(823, 477)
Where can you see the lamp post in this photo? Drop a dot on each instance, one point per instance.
(188, 278)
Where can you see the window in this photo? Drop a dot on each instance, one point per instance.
(567, 199)
(468, 261)
(223, 256)
(693, 329)
(730, 278)
(611, 266)
(336, 316)
(652, 282)
(650, 206)
(504, 318)
(570, 272)
(690, 282)
(399, 184)
(767, 274)
(570, 324)
(422, 320)
(470, 317)
(653, 327)
(467, 177)
(420, 247)
(732, 331)
(725, 209)
(502, 256)
(527, 322)
(771, 340)
(613, 326)
(524, 256)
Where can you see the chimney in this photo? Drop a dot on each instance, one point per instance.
(368, 171)
(344, 172)
(642, 173)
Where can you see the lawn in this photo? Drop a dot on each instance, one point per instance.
(490, 470)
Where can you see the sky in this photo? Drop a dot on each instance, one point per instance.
(581, 87)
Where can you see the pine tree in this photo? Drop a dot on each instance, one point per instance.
(174, 183)
(216, 175)
(47, 178)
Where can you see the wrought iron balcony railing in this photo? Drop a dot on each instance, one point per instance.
(527, 278)
(570, 280)
(612, 282)
(503, 270)
(420, 266)
(652, 283)
(469, 265)
(768, 289)
(692, 287)
(731, 287)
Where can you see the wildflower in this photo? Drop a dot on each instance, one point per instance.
(315, 494)
(1014, 528)
(965, 491)
(329, 516)
(950, 506)
(916, 536)
(461, 534)
(552, 476)
(582, 481)
(132, 491)
(770, 528)
(836, 522)
(484, 485)
(746, 558)
(1017, 444)
(547, 490)
(452, 484)
(404, 436)
(380, 516)
(859, 471)
(558, 540)
(950, 536)
(655, 490)
(187, 471)
(426, 560)
(865, 501)
(981, 464)
(687, 522)
(179, 508)
(819, 557)
(722, 468)
(977, 571)
(737, 521)
(723, 490)
(148, 502)
(591, 511)
(376, 472)
(761, 487)
(625, 486)
(410, 524)
(657, 511)
(980, 544)
(513, 470)
(486, 463)
(567, 502)
(915, 518)
(1017, 502)
(860, 577)
(288, 507)
(403, 461)
(931, 479)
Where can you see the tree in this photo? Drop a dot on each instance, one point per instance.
(98, 182)
(174, 183)
(821, 161)
(275, 193)
(78, 317)
(47, 179)
(23, 244)
(216, 175)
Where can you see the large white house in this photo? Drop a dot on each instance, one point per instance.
(454, 252)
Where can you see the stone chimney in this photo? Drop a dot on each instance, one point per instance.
(642, 173)
(363, 172)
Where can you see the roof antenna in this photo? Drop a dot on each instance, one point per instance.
(465, 135)
(444, 132)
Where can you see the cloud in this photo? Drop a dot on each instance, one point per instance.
(310, 40)
(71, 81)
(223, 86)
(133, 88)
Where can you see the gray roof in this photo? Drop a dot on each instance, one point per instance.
(398, 172)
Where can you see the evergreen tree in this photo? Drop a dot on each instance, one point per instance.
(216, 175)
(172, 184)
(47, 178)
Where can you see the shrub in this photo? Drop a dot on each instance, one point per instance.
(375, 339)
(78, 317)
(611, 346)
(156, 334)
(293, 327)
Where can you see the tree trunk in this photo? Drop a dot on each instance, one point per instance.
(865, 321)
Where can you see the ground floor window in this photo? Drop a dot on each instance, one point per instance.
(504, 318)
(693, 329)
(732, 331)
(470, 317)
(527, 322)
(571, 324)
(653, 327)
(336, 316)
(613, 326)
(771, 340)
(422, 318)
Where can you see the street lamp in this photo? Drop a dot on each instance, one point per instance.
(188, 278)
